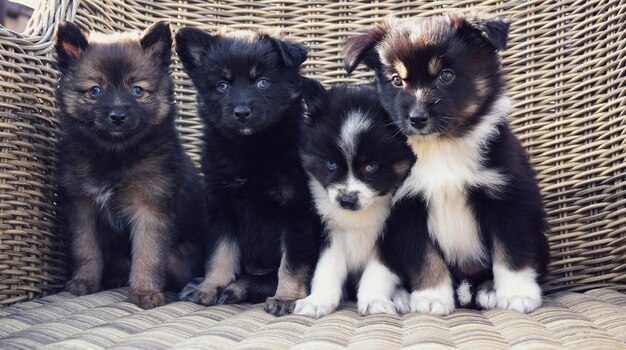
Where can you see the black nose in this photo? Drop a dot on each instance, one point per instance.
(117, 117)
(349, 200)
(242, 113)
(418, 118)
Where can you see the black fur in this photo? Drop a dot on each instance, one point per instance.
(256, 188)
(412, 60)
(117, 175)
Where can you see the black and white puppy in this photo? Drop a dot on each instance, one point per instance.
(262, 221)
(471, 197)
(355, 159)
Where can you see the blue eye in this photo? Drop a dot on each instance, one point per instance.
(137, 91)
(95, 91)
(371, 167)
(222, 86)
(332, 166)
(262, 83)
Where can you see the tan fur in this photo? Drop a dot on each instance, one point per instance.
(435, 271)
(434, 66)
(223, 266)
(400, 68)
(291, 284)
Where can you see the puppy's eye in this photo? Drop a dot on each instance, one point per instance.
(332, 166)
(262, 83)
(397, 81)
(446, 75)
(95, 91)
(371, 167)
(222, 86)
(137, 91)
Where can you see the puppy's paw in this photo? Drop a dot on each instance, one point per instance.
(232, 294)
(516, 290)
(146, 299)
(435, 301)
(313, 308)
(81, 286)
(279, 307)
(486, 298)
(196, 295)
(379, 306)
(401, 300)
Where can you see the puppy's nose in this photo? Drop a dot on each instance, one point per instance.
(418, 118)
(349, 200)
(242, 113)
(117, 116)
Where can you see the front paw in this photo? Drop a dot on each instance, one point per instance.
(82, 286)
(434, 301)
(522, 300)
(146, 299)
(401, 300)
(312, 308)
(279, 307)
(234, 293)
(204, 296)
(379, 306)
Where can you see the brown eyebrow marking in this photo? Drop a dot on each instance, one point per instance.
(400, 68)
(434, 66)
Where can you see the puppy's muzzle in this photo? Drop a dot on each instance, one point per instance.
(242, 113)
(348, 200)
(418, 118)
(117, 116)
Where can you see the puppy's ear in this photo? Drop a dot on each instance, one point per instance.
(192, 46)
(70, 43)
(362, 47)
(494, 30)
(157, 40)
(315, 96)
(292, 54)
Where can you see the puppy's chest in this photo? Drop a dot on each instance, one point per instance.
(443, 176)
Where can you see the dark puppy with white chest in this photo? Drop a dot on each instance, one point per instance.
(263, 224)
(355, 159)
(471, 197)
(131, 197)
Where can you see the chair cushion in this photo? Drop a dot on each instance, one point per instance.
(592, 320)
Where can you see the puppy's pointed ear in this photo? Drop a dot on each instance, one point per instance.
(70, 43)
(315, 97)
(292, 54)
(157, 40)
(494, 30)
(362, 47)
(192, 46)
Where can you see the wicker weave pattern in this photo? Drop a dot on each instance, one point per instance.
(594, 320)
(566, 65)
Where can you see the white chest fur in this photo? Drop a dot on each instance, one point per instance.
(353, 235)
(444, 170)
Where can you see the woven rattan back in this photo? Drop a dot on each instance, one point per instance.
(566, 73)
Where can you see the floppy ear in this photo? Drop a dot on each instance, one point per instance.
(362, 47)
(192, 46)
(315, 96)
(70, 43)
(292, 54)
(494, 30)
(157, 40)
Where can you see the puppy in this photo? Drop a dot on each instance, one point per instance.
(262, 222)
(355, 159)
(471, 207)
(130, 194)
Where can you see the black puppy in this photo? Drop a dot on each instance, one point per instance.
(471, 197)
(262, 220)
(129, 192)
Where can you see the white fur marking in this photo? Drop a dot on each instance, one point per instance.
(435, 301)
(516, 290)
(464, 293)
(486, 298)
(401, 300)
(354, 125)
(444, 170)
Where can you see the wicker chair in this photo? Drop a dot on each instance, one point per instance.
(566, 67)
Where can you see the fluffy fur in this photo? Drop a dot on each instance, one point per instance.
(355, 160)
(130, 194)
(471, 202)
(262, 221)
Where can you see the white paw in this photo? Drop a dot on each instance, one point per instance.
(378, 306)
(486, 298)
(313, 308)
(401, 300)
(435, 301)
(516, 290)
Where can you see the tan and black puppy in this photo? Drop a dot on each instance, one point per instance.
(132, 200)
